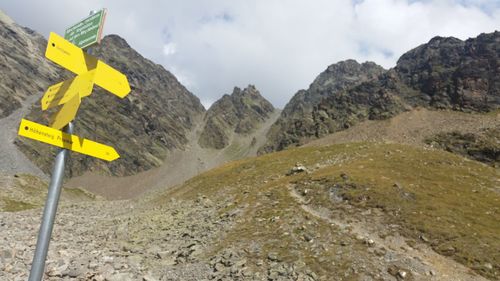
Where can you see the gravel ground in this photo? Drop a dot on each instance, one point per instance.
(12, 160)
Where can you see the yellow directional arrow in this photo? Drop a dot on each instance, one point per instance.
(66, 114)
(68, 55)
(74, 59)
(61, 93)
(58, 138)
(111, 80)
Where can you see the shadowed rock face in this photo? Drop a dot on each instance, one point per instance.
(454, 74)
(240, 113)
(143, 127)
(309, 111)
(445, 73)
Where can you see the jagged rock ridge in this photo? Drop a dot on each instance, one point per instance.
(452, 74)
(446, 73)
(304, 115)
(238, 113)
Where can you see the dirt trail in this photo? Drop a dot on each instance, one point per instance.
(420, 258)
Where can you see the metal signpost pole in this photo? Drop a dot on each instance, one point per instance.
(72, 57)
(49, 213)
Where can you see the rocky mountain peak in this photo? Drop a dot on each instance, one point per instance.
(250, 92)
(450, 73)
(442, 51)
(239, 113)
(302, 116)
(439, 41)
(344, 74)
(115, 41)
(445, 73)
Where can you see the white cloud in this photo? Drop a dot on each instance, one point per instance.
(280, 46)
(169, 49)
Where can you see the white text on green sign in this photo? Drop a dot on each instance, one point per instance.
(88, 31)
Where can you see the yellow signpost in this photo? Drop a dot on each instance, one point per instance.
(111, 80)
(62, 92)
(60, 139)
(69, 94)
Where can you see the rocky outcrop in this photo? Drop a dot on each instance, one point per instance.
(452, 74)
(143, 127)
(483, 146)
(445, 73)
(238, 113)
(313, 112)
(24, 69)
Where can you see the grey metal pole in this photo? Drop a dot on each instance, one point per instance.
(49, 213)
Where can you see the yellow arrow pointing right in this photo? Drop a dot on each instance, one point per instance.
(111, 80)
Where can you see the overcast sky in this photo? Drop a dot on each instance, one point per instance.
(278, 45)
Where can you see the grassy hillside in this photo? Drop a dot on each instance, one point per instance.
(355, 205)
(24, 192)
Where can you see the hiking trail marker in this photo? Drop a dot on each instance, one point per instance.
(70, 93)
(60, 139)
(88, 31)
(68, 53)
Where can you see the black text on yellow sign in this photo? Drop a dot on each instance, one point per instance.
(60, 139)
(89, 71)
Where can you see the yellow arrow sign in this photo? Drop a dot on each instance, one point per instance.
(111, 80)
(61, 93)
(58, 138)
(66, 114)
(74, 59)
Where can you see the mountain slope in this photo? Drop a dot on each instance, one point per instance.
(473, 135)
(355, 211)
(348, 195)
(445, 73)
(157, 126)
(180, 166)
(238, 113)
(24, 192)
(297, 120)
(144, 127)
(21, 60)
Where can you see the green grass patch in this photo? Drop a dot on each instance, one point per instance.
(454, 202)
(16, 206)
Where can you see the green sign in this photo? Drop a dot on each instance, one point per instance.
(88, 31)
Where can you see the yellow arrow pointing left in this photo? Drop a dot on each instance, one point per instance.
(66, 114)
(58, 138)
(61, 93)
